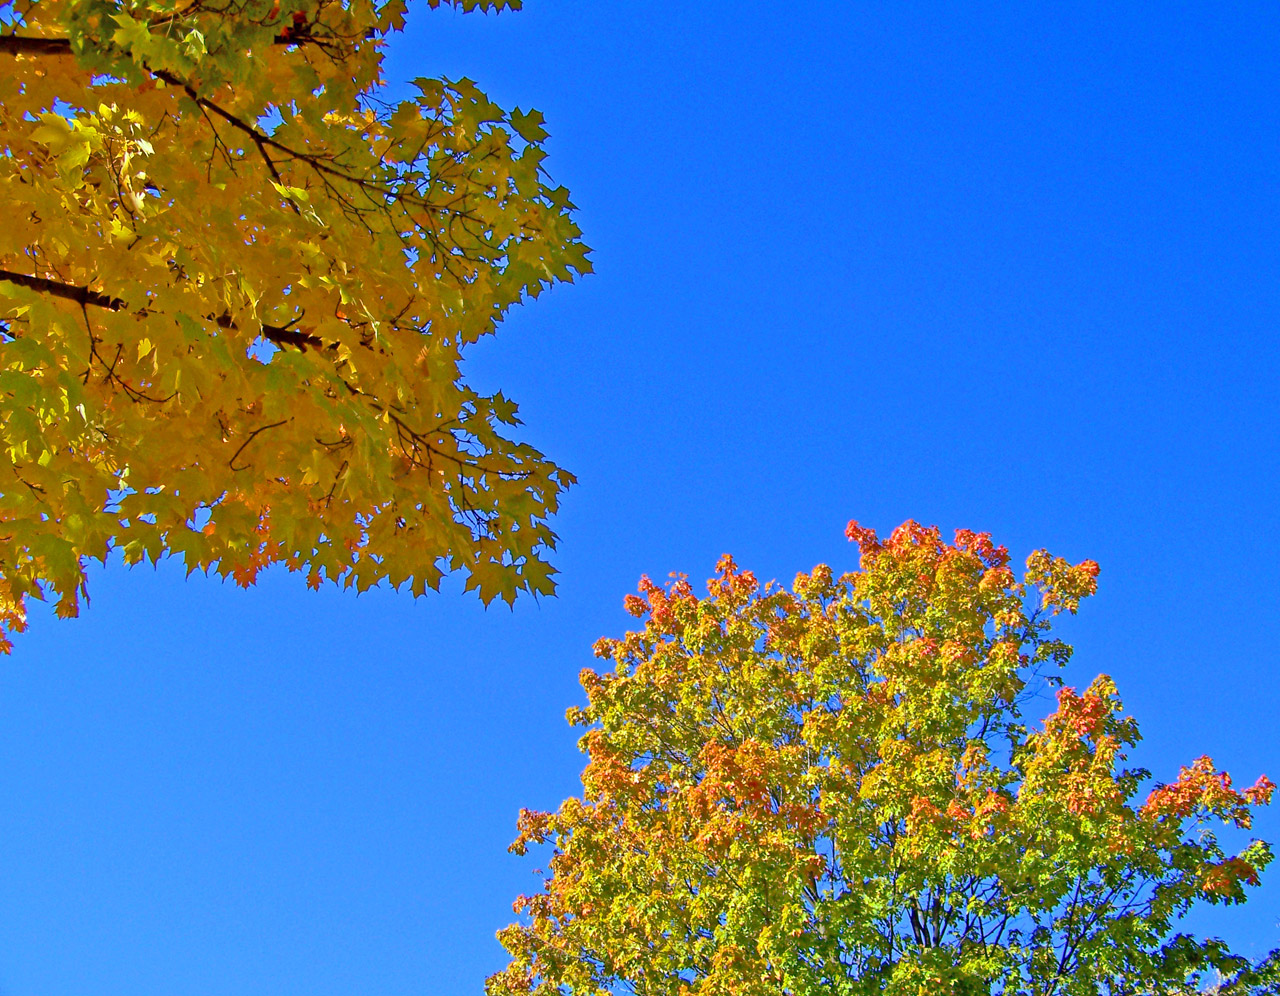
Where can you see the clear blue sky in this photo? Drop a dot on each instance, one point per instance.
(1012, 267)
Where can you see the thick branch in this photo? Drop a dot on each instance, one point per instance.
(68, 292)
(411, 441)
(14, 45)
(18, 45)
(290, 337)
(83, 296)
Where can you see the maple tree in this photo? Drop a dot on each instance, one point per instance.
(831, 789)
(236, 281)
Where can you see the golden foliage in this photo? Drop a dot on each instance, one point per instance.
(235, 288)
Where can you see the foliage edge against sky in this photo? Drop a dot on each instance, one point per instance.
(832, 789)
(235, 294)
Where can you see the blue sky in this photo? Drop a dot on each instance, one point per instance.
(1012, 267)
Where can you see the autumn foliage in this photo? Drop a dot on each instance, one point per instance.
(236, 281)
(831, 789)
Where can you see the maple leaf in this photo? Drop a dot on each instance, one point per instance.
(237, 293)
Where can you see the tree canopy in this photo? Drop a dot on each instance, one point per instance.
(236, 283)
(830, 789)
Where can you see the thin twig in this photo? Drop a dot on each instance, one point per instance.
(248, 439)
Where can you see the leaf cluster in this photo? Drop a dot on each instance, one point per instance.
(235, 292)
(832, 789)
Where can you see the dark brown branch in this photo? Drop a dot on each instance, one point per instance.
(14, 45)
(259, 138)
(19, 45)
(249, 439)
(281, 335)
(315, 162)
(68, 292)
(378, 193)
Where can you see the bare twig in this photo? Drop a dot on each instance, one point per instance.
(247, 440)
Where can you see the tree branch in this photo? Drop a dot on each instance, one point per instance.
(381, 195)
(68, 292)
(249, 439)
(15, 45)
(83, 296)
(19, 45)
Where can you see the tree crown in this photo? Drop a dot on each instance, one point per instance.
(831, 789)
(236, 295)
